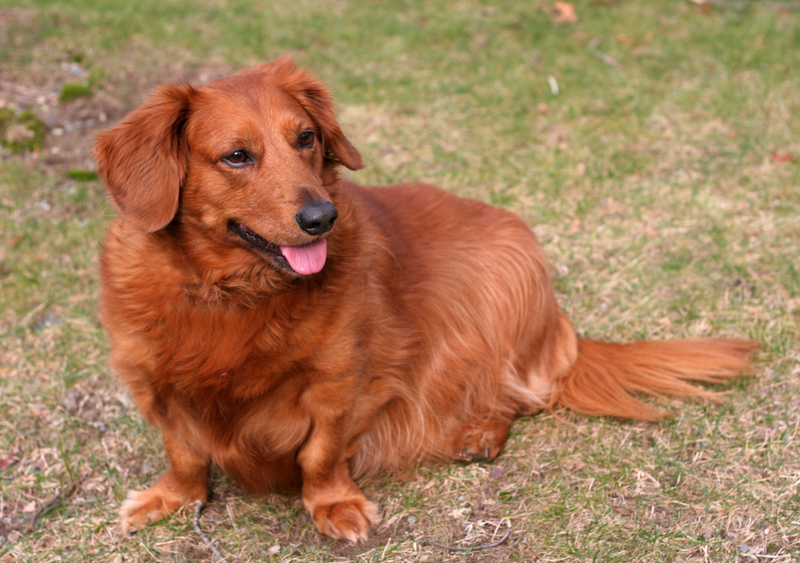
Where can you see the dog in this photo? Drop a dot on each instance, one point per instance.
(299, 330)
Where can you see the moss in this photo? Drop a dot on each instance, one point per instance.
(6, 115)
(21, 132)
(73, 90)
(80, 175)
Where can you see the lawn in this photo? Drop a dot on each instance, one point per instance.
(654, 148)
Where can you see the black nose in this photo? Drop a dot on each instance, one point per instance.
(317, 217)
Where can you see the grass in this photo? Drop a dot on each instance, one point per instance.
(74, 90)
(663, 180)
(20, 132)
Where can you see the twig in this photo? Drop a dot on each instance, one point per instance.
(474, 547)
(63, 493)
(551, 80)
(605, 57)
(198, 506)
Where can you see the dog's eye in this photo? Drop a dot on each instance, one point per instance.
(237, 158)
(306, 139)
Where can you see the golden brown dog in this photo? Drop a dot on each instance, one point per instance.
(299, 330)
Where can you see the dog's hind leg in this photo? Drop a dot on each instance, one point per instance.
(182, 483)
(482, 438)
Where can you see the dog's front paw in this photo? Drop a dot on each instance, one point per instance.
(346, 520)
(145, 507)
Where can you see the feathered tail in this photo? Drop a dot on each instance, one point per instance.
(606, 377)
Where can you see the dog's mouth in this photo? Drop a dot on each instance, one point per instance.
(305, 260)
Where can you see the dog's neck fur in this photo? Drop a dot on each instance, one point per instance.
(227, 275)
(221, 274)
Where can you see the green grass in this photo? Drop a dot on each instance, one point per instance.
(663, 180)
(73, 90)
(20, 132)
(82, 176)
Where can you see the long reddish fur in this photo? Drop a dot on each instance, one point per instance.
(432, 326)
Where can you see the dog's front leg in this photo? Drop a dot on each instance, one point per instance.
(182, 483)
(338, 507)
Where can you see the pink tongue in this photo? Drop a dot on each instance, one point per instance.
(306, 259)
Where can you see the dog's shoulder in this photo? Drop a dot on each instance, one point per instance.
(139, 271)
(129, 252)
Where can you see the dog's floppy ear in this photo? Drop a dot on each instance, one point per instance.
(143, 159)
(318, 103)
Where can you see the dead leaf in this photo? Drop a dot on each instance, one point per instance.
(496, 473)
(782, 157)
(705, 5)
(543, 109)
(7, 461)
(623, 511)
(563, 12)
(623, 39)
(30, 507)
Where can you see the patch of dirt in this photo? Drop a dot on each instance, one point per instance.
(44, 66)
(70, 126)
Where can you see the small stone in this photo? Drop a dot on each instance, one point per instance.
(76, 70)
(412, 519)
(100, 426)
(744, 549)
(57, 131)
(462, 498)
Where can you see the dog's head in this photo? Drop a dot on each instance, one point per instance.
(244, 160)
